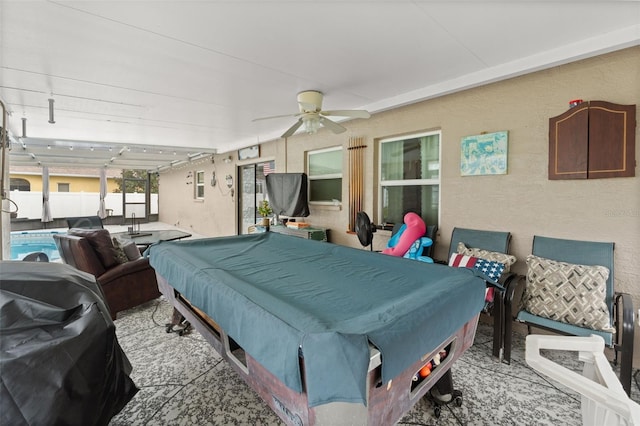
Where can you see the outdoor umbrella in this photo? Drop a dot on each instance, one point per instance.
(46, 209)
(102, 211)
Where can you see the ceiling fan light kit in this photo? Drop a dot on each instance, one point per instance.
(311, 116)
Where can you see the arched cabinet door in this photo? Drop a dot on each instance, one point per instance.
(593, 140)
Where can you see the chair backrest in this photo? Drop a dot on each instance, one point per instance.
(580, 253)
(37, 256)
(474, 238)
(78, 252)
(87, 222)
(431, 233)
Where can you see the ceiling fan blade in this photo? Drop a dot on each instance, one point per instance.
(276, 116)
(354, 113)
(334, 127)
(292, 129)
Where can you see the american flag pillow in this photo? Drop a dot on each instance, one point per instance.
(490, 268)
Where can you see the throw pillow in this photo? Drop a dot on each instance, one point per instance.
(491, 269)
(506, 259)
(573, 294)
(132, 251)
(100, 240)
(120, 255)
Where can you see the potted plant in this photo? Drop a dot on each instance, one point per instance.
(265, 210)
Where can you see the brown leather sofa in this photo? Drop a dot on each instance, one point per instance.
(125, 285)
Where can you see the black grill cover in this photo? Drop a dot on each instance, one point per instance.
(288, 194)
(60, 360)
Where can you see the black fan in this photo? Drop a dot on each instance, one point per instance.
(364, 229)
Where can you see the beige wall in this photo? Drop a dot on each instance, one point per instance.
(523, 202)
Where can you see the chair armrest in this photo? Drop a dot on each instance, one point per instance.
(627, 314)
(125, 269)
(515, 286)
(624, 337)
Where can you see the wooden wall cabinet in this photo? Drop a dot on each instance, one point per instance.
(593, 140)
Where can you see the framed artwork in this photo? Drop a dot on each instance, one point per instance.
(249, 152)
(484, 154)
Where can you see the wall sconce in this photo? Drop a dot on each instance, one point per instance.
(227, 160)
(213, 179)
(229, 180)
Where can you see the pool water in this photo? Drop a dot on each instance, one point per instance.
(23, 243)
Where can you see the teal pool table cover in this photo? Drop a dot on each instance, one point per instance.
(274, 294)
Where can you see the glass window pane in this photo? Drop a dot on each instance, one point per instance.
(200, 177)
(414, 158)
(421, 199)
(325, 163)
(325, 190)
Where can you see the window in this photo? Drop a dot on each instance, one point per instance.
(199, 185)
(19, 184)
(410, 177)
(63, 187)
(324, 170)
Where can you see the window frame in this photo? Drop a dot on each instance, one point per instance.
(60, 185)
(409, 182)
(197, 185)
(311, 178)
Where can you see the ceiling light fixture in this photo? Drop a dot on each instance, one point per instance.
(51, 120)
(311, 124)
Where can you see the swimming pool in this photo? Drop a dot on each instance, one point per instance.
(25, 242)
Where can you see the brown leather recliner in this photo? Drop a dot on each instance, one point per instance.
(125, 285)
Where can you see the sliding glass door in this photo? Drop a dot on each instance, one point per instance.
(252, 189)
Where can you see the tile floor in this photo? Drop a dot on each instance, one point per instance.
(183, 381)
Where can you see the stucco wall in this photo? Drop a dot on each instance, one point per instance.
(76, 183)
(523, 202)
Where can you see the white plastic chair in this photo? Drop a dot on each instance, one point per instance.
(604, 401)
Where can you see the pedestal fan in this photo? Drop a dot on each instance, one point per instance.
(364, 229)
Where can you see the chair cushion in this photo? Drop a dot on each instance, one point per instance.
(566, 292)
(495, 256)
(100, 241)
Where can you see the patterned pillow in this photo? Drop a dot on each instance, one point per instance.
(573, 294)
(491, 269)
(507, 259)
(126, 251)
(120, 255)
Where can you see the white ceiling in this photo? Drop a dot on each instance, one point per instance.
(193, 74)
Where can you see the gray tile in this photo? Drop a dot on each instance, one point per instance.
(184, 381)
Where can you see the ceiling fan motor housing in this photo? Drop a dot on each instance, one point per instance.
(310, 101)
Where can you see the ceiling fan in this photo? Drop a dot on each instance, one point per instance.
(311, 115)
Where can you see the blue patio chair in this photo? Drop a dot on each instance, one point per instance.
(620, 305)
(495, 241)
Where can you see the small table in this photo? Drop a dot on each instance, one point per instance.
(147, 238)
